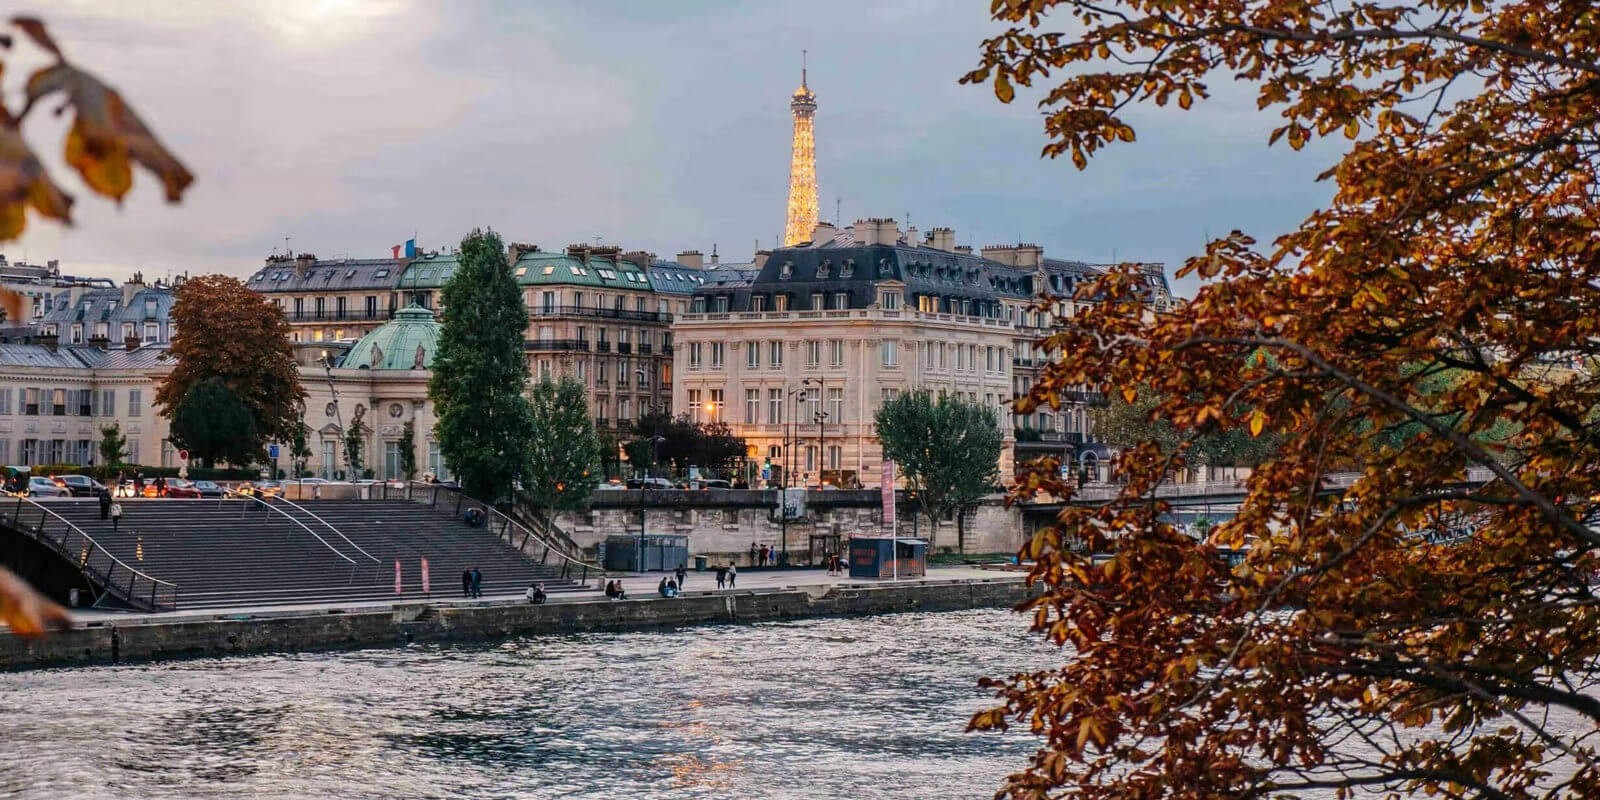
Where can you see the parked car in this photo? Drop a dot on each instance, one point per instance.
(207, 489)
(127, 490)
(178, 487)
(611, 486)
(79, 485)
(650, 483)
(261, 488)
(711, 483)
(40, 486)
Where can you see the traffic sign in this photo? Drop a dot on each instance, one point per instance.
(272, 452)
(183, 455)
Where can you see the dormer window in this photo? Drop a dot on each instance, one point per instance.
(884, 270)
(786, 271)
(889, 301)
(77, 334)
(825, 269)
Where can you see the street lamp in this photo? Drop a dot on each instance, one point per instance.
(644, 486)
(783, 493)
(820, 416)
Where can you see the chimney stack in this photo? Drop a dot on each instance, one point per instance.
(911, 237)
(639, 258)
(877, 230)
(943, 239)
(130, 343)
(516, 250)
(50, 342)
(823, 233)
(304, 262)
(691, 258)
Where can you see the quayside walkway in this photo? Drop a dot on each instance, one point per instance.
(244, 553)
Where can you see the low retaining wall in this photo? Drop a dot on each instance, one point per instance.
(155, 639)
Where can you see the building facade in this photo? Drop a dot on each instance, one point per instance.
(798, 358)
(331, 300)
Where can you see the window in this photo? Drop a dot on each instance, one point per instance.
(927, 303)
(890, 351)
(886, 396)
(841, 300)
(961, 358)
(108, 403)
(780, 302)
(758, 303)
(135, 403)
(30, 451)
(372, 306)
(58, 403)
(752, 355)
(694, 355)
(721, 304)
(319, 303)
(927, 355)
(836, 404)
(544, 369)
(5, 451)
(328, 461)
(716, 355)
(577, 299)
(133, 451)
(813, 401)
(836, 352)
(547, 301)
(752, 406)
(152, 331)
(339, 307)
(694, 402)
(582, 369)
(816, 301)
(775, 354)
(811, 458)
(835, 456)
(616, 302)
(84, 398)
(813, 353)
(988, 359)
(890, 301)
(774, 406)
(943, 364)
(5, 405)
(602, 411)
(391, 460)
(624, 408)
(622, 373)
(77, 334)
(436, 462)
(714, 408)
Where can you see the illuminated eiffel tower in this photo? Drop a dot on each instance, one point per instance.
(802, 166)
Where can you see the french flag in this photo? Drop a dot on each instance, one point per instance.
(410, 247)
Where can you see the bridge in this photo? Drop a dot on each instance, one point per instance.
(239, 552)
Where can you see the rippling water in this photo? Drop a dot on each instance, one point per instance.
(865, 707)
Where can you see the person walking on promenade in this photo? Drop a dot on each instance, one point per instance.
(466, 583)
(761, 556)
(105, 503)
(754, 551)
(161, 486)
(733, 575)
(722, 577)
(477, 582)
(116, 515)
(681, 572)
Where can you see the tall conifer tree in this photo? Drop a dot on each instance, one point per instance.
(565, 464)
(485, 426)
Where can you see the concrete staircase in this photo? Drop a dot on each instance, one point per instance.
(237, 554)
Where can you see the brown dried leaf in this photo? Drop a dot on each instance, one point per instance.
(24, 183)
(106, 135)
(25, 610)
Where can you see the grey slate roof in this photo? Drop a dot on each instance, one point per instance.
(329, 274)
(37, 355)
(118, 358)
(149, 303)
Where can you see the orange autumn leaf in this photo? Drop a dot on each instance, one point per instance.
(107, 136)
(27, 612)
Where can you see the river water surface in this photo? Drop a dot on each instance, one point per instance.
(864, 707)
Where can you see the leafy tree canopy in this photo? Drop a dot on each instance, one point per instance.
(564, 458)
(947, 449)
(113, 445)
(224, 330)
(214, 424)
(485, 426)
(684, 443)
(1346, 652)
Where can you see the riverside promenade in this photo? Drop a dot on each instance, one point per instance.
(761, 595)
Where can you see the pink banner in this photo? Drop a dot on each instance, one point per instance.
(399, 588)
(425, 575)
(887, 482)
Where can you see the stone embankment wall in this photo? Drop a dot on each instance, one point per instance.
(155, 638)
(723, 524)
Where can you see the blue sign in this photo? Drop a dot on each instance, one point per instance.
(272, 452)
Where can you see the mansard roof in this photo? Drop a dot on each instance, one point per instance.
(147, 303)
(328, 274)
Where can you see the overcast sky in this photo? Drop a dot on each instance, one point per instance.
(348, 125)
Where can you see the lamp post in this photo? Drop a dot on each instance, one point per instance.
(644, 486)
(783, 493)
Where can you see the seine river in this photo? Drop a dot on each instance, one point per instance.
(866, 707)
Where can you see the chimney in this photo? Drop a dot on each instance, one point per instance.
(691, 258)
(130, 343)
(911, 237)
(131, 288)
(963, 249)
(713, 254)
(639, 258)
(944, 239)
(49, 342)
(1030, 255)
(877, 230)
(761, 258)
(516, 250)
(304, 262)
(580, 252)
(823, 233)
(1003, 253)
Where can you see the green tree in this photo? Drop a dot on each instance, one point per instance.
(610, 454)
(214, 424)
(485, 426)
(564, 459)
(113, 445)
(947, 449)
(1123, 423)
(300, 448)
(408, 450)
(355, 448)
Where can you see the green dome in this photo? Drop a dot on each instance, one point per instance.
(406, 342)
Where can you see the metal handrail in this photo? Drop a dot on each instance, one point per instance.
(303, 526)
(302, 509)
(86, 553)
(508, 532)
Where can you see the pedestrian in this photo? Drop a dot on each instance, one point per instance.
(761, 559)
(138, 484)
(661, 588)
(733, 575)
(477, 582)
(466, 583)
(681, 572)
(116, 515)
(722, 577)
(753, 553)
(105, 503)
(535, 594)
(161, 486)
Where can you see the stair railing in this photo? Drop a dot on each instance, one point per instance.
(96, 563)
(302, 509)
(269, 507)
(514, 533)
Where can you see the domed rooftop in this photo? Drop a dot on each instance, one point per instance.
(406, 342)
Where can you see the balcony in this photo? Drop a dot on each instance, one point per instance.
(624, 348)
(601, 313)
(644, 349)
(581, 345)
(602, 346)
(362, 315)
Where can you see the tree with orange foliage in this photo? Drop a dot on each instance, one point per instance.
(105, 140)
(225, 330)
(1350, 651)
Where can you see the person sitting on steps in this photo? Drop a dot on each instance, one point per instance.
(536, 594)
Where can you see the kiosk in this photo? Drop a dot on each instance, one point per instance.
(883, 557)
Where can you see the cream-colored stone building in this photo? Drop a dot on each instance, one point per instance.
(798, 358)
